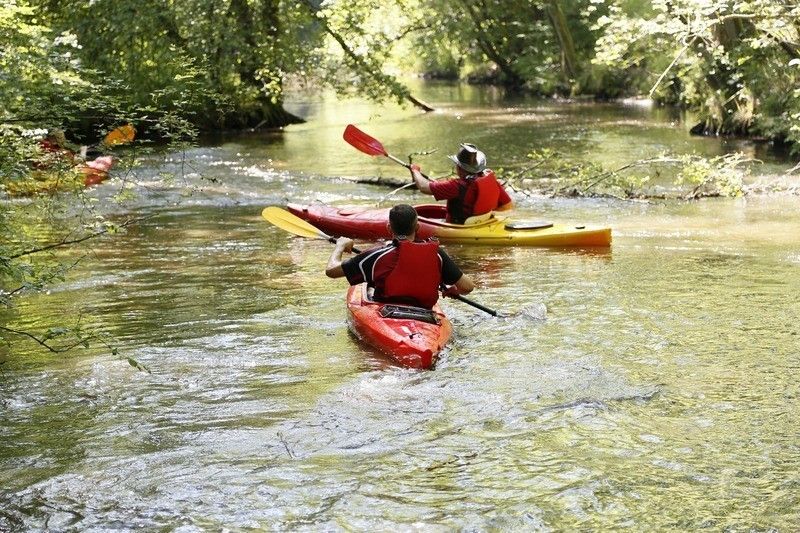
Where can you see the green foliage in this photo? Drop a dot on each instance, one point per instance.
(362, 39)
(729, 61)
(45, 85)
(544, 45)
(39, 67)
(137, 365)
(722, 175)
(217, 64)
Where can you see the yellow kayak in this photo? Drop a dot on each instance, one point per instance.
(371, 224)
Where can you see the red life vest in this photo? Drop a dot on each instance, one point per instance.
(416, 276)
(488, 193)
(483, 190)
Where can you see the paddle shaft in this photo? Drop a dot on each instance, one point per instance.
(400, 161)
(408, 166)
(474, 304)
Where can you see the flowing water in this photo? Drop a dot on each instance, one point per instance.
(658, 391)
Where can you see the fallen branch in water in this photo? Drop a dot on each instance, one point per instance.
(643, 162)
(551, 174)
(390, 181)
(547, 173)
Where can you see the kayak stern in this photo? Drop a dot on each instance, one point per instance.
(390, 328)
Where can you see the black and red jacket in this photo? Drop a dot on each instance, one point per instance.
(404, 271)
(415, 276)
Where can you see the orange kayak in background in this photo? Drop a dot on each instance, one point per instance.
(52, 180)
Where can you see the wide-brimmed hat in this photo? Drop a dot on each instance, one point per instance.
(469, 158)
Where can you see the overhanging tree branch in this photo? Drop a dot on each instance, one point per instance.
(384, 79)
(66, 241)
(672, 64)
(43, 342)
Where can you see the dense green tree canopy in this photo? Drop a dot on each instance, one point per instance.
(735, 63)
(224, 64)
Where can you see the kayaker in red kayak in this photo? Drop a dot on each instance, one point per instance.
(475, 191)
(58, 152)
(405, 270)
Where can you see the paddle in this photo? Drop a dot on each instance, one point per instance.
(297, 226)
(121, 135)
(371, 146)
(474, 304)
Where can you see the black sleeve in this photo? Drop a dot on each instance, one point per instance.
(352, 271)
(353, 267)
(450, 272)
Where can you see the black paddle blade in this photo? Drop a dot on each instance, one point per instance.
(363, 142)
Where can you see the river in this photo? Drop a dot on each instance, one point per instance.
(658, 391)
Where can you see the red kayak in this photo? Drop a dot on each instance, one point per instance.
(412, 336)
(92, 172)
(95, 171)
(492, 229)
(46, 180)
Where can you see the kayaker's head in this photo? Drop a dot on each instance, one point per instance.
(403, 221)
(469, 160)
(57, 137)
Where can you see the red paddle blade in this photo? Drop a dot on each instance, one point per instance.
(363, 142)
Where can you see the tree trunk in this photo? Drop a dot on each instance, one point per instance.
(730, 106)
(268, 111)
(512, 79)
(569, 59)
(386, 80)
(733, 109)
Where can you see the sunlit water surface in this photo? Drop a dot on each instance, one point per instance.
(659, 390)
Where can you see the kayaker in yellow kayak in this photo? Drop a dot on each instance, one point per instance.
(475, 191)
(405, 270)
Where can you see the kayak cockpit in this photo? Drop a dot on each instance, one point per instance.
(407, 312)
(436, 214)
(431, 211)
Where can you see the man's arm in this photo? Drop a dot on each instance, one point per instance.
(459, 282)
(334, 268)
(422, 184)
(504, 201)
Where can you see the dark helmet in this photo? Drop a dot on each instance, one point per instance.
(470, 158)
